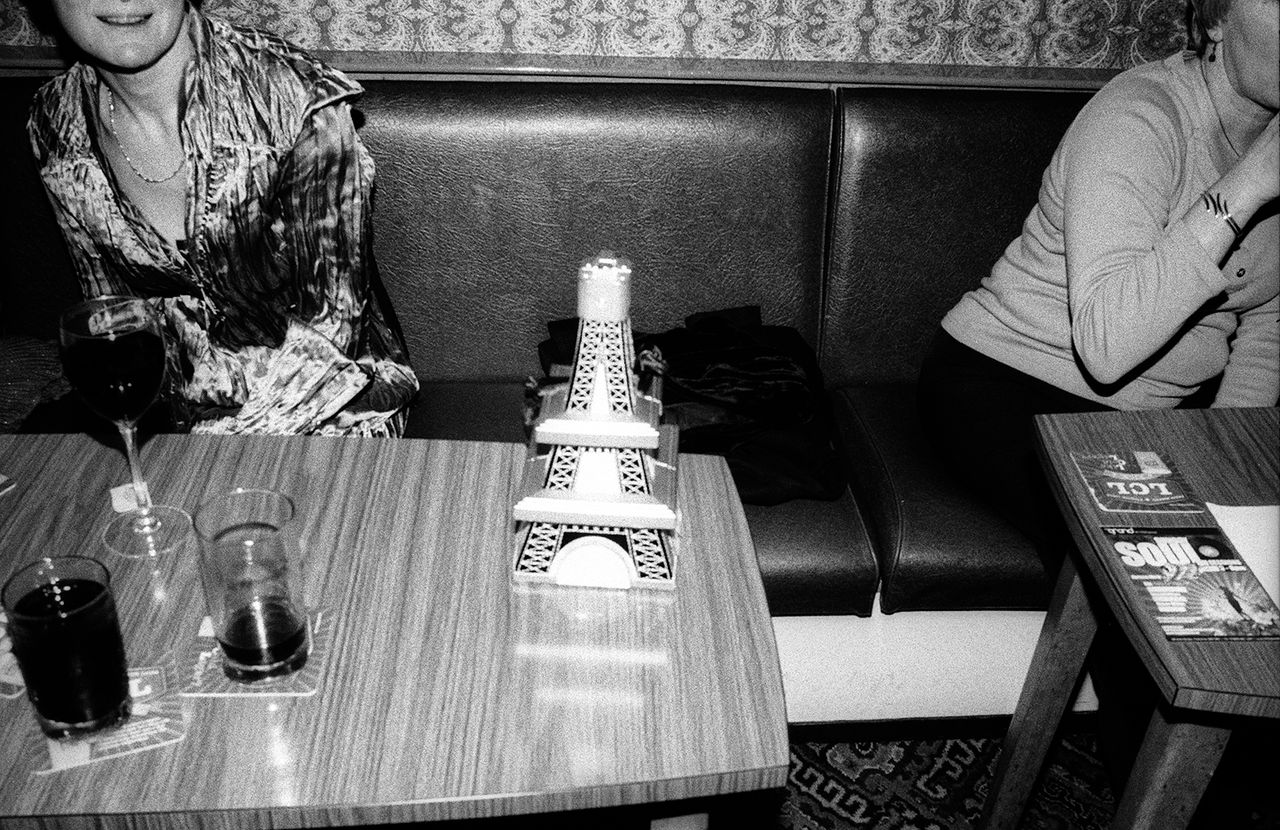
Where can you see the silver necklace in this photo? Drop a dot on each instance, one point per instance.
(111, 116)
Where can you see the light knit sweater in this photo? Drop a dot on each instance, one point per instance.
(1107, 294)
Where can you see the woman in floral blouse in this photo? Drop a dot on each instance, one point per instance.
(216, 170)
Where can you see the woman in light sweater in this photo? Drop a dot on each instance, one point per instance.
(1147, 275)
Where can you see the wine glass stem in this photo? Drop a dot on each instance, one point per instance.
(130, 435)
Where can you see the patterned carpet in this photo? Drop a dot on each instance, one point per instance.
(937, 784)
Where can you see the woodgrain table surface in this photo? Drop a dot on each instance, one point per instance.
(446, 693)
(1227, 457)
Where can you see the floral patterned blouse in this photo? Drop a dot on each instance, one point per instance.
(275, 316)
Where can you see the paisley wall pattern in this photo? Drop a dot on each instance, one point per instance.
(1026, 35)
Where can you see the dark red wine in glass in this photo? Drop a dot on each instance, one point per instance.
(117, 377)
(114, 356)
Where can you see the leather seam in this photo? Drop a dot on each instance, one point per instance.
(878, 458)
(831, 202)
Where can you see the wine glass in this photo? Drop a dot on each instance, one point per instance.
(113, 354)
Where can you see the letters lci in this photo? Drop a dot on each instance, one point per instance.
(1139, 488)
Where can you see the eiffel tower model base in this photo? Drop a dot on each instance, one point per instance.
(596, 556)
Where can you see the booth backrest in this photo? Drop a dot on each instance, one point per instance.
(36, 279)
(490, 195)
(932, 185)
(857, 217)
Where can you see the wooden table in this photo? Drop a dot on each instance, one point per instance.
(1228, 457)
(447, 693)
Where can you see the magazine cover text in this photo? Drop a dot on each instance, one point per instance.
(1195, 584)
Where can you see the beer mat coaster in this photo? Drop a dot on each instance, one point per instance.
(156, 721)
(124, 498)
(11, 682)
(1136, 481)
(206, 678)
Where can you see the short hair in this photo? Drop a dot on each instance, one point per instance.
(1203, 15)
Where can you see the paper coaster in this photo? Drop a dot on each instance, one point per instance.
(205, 677)
(11, 682)
(157, 721)
(124, 499)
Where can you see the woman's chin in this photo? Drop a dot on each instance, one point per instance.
(128, 59)
(127, 62)
(133, 48)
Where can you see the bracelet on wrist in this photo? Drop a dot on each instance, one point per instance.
(1216, 205)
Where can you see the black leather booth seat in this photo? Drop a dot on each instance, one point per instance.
(932, 186)
(491, 194)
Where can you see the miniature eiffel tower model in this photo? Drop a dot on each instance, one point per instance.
(600, 479)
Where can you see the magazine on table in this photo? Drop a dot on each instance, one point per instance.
(1194, 583)
(1135, 481)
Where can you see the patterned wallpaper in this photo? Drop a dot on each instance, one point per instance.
(1010, 34)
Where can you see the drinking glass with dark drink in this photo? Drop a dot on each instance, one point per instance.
(66, 638)
(114, 356)
(252, 583)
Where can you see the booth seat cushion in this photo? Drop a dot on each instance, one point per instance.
(815, 557)
(937, 546)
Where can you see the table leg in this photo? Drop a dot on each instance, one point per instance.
(1172, 770)
(1054, 673)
